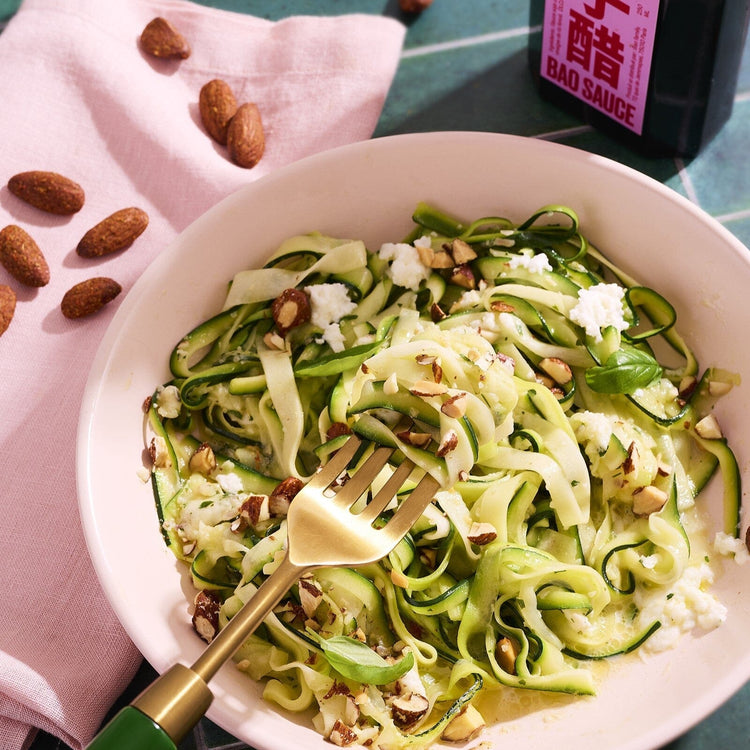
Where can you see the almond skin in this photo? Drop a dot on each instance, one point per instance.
(117, 232)
(22, 258)
(160, 39)
(245, 139)
(414, 6)
(217, 105)
(7, 307)
(48, 191)
(88, 297)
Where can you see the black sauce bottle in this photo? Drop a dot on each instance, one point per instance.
(659, 75)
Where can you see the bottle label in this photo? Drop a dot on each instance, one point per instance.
(600, 51)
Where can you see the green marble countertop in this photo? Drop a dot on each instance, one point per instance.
(464, 67)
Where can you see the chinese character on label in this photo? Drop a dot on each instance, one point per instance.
(601, 53)
(598, 10)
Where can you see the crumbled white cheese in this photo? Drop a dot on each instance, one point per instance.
(688, 605)
(329, 303)
(594, 428)
(579, 621)
(484, 322)
(470, 298)
(725, 544)
(599, 306)
(333, 337)
(230, 483)
(532, 262)
(168, 402)
(406, 269)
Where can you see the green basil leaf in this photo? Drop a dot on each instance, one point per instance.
(357, 661)
(625, 371)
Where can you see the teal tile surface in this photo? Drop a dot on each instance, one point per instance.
(720, 177)
(486, 86)
(664, 170)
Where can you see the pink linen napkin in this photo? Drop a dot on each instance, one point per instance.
(78, 97)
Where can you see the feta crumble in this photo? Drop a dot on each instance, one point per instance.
(532, 262)
(406, 268)
(687, 605)
(168, 402)
(599, 306)
(333, 337)
(725, 544)
(230, 483)
(329, 303)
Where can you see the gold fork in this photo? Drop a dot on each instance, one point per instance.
(321, 512)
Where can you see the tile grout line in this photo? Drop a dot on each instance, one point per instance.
(471, 41)
(554, 135)
(733, 216)
(687, 183)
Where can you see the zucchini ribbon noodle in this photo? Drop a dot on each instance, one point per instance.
(551, 395)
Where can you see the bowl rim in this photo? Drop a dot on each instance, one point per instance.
(727, 684)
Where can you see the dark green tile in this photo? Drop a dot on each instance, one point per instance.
(284, 8)
(664, 170)
(487, 86)
(722, 729)
(444, 21)
(214, 737)
(450, 21)
(8, 8)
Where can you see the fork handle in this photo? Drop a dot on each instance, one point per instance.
(165, 712)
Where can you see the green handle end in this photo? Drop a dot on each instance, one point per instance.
(132, 730)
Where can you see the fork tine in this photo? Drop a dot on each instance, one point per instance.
(336, 464)
(412, 508)
(363, 477)
(387, 492)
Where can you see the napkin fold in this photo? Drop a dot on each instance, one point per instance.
(79, 97)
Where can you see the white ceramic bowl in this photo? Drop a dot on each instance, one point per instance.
(368, 191)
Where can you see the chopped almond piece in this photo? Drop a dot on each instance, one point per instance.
(709, 428)
(462, 251)
(557, 369)
(482, 533)
(648, 500)
(464, 727)
(428, 388)
(506, 653)
(455, 406)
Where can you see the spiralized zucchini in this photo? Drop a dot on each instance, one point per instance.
(566, 419)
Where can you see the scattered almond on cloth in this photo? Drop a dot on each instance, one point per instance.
(48, 191)
(117, 232)
(22, 258)
(238, 127)
(89, 296)
(161, 39)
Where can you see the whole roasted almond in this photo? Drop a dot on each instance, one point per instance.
(22, 258)
(245, 139)
(7, 307)
(160, 39)
(217, 105)
(48, 191)
(414, 6)
(87, 297)
(117, 232)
